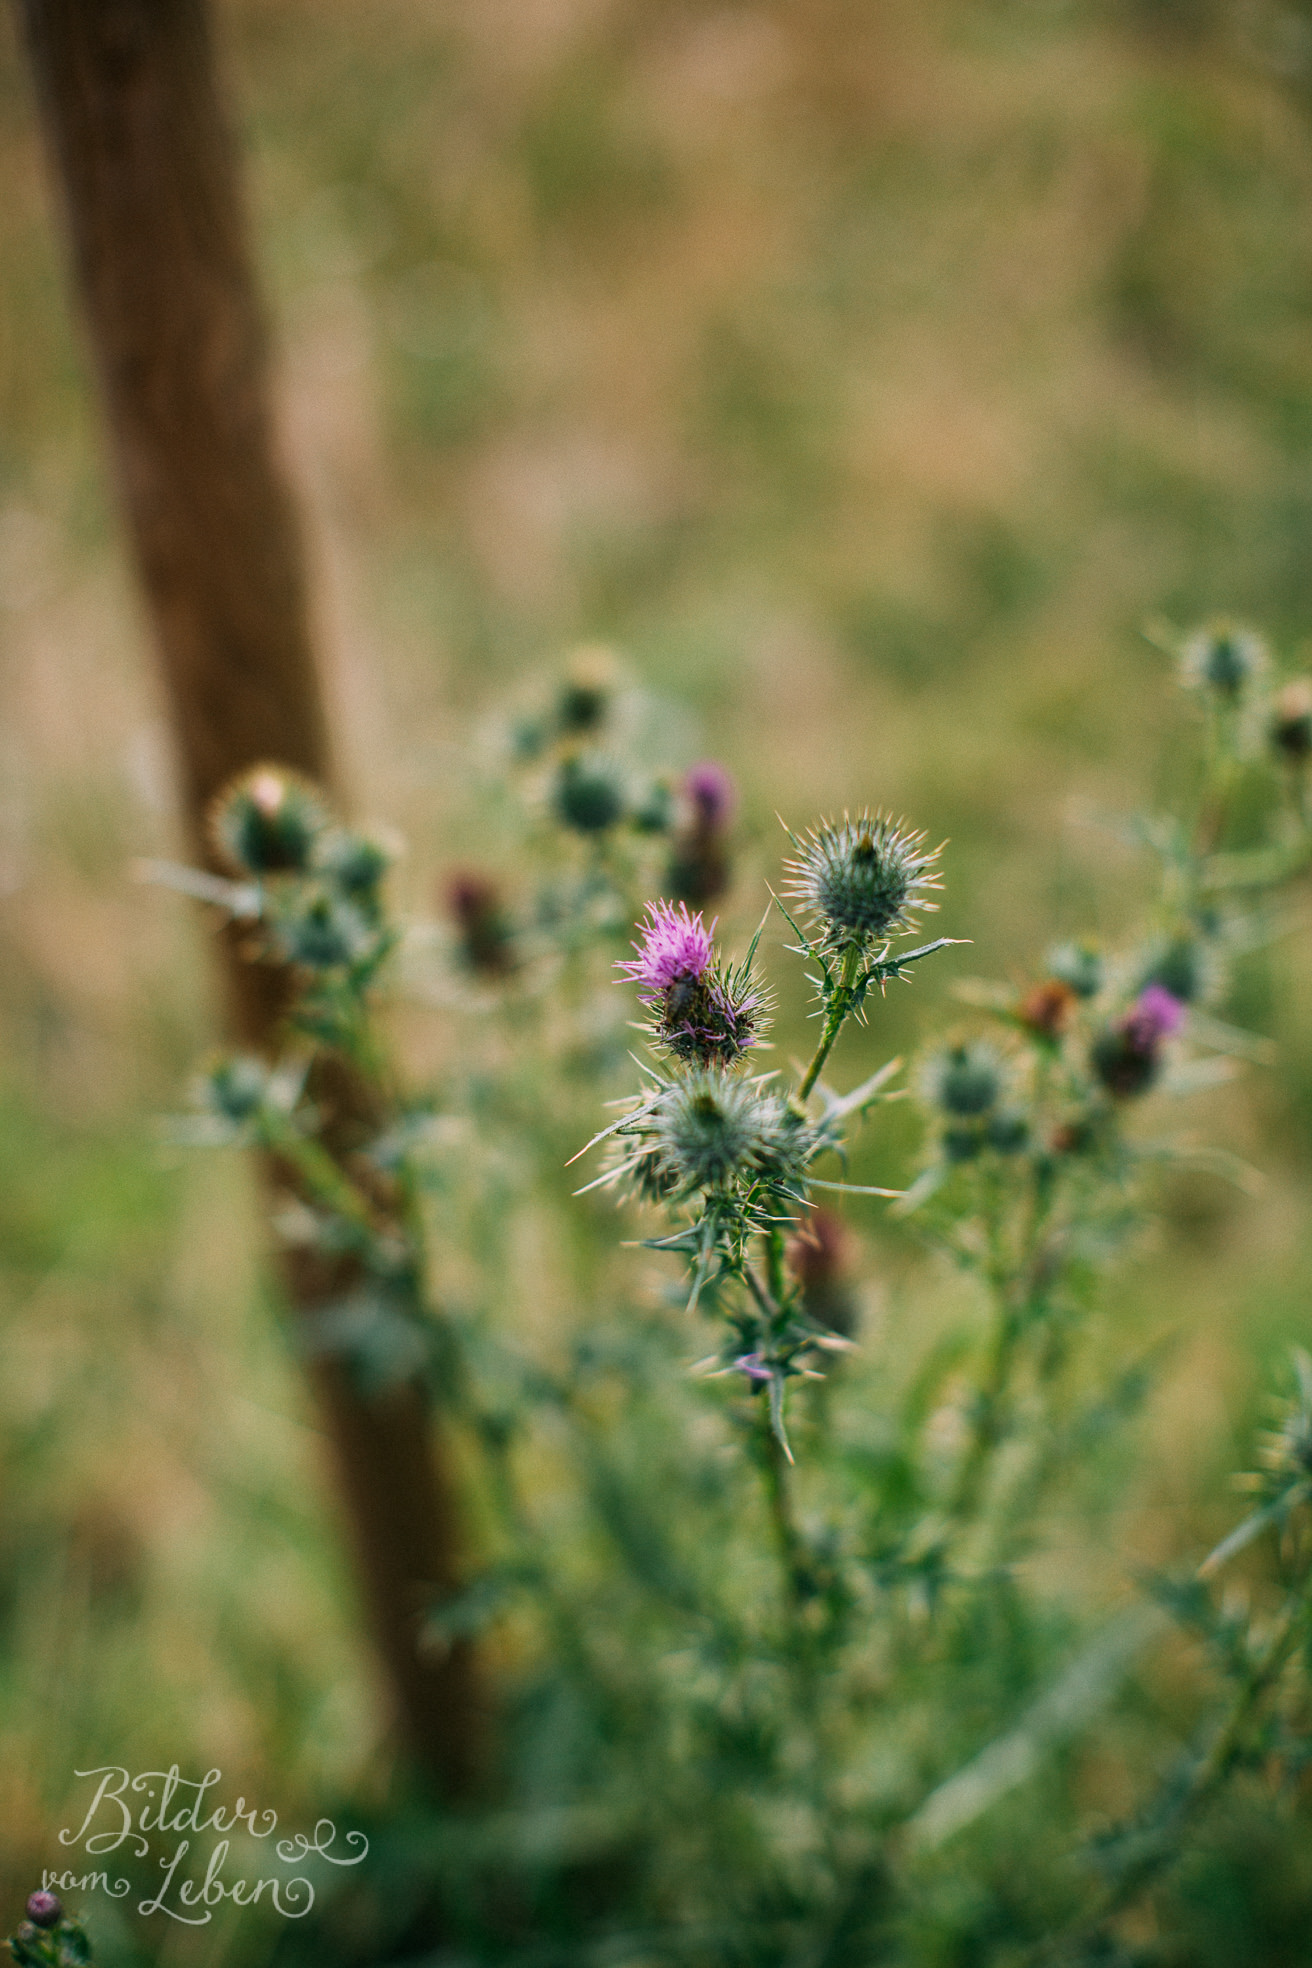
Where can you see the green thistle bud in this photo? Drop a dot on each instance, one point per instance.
(711, 1130)
(589, 793)
(1186, 966)
(236, 1088)
(585, 695)
(355, 863)
(965, 1080)
(321, 930)
(268, 821)
(1224, 660)
(1079, 966)
(1009, 1132)
(861, 878)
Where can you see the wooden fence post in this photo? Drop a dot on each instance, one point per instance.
(147, 167)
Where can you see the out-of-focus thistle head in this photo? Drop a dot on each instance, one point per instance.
(268, 821)
(1224, 660)
(1079, 966)
(319, 928)
(586, 692)
(710, 794)
(1290, 728)
(1045, 1008)
(862, 878)
(820, 1258)
(700, 1011)
(44, 1909)
(1127, 1056)
(700, 865)
(711, 1130)
(1186, 966)
(486, 935)
(964, 1081)
(235, 1088)
(354, 863)
(589, 794)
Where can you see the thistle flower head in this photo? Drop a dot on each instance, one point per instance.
(1186, 968)
(964, 1080)
(235, 1088)
(675, 949)
(589, 792)
(710, 793)
(1079, 966)
(700, 1011)
(711, 1130)
(321, 929)
(268, 821)
(587, 690)
(860, 878)
(1291, 721)
(1223, 660)
(1158, 1014)
(354, 862)
(486, 936)
(44, 1909)
(1126, 1056)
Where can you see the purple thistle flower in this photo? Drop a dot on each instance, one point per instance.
(44, 1909)
(1126, 1056)
(710, 791)
(1158, 1014)
(675, 949)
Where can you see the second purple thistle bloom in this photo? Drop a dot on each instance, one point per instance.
(700, 1013)
(675, 948)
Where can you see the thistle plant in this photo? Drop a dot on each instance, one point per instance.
(49, 1937)
(773, 1636)
(732, 1155)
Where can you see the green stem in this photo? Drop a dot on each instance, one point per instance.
(788, 1539)
(840, 1004)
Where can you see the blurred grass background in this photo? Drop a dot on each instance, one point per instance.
(868, 372)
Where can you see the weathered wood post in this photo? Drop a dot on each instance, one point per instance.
(147, 168)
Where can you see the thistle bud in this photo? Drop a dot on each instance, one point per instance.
(487, 939)
(711, 1130)
(654, 811)
(319, 929)
(1291, 722)
(1187, 968)
(819, 1257)
(44, 1909)
(268, 821)
(861, 878)
(585, 695)
(1127, 1056)
(236, 1088)
(1079, 966)
(1046, 1008)
(589, 793)
(965, 1081)
(1223, 660)
(356, 863)
(1009, 1132)
(699, 866)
